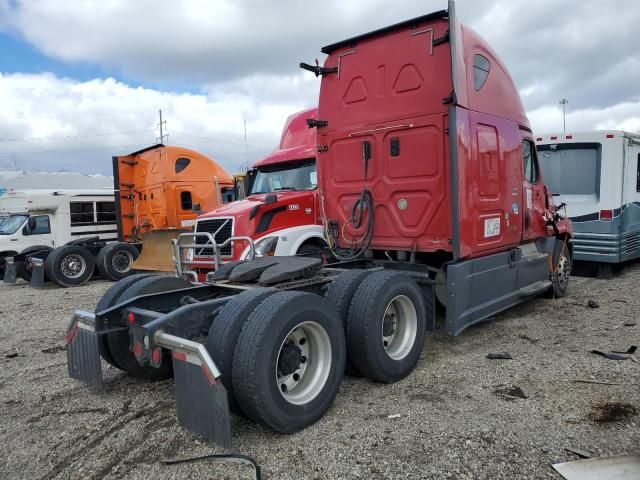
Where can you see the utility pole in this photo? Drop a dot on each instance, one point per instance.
(564, 102)
(246, 156)
(162, 125)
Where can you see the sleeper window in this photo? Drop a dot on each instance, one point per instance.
(481, 68)
(529, 159)
(638, 174)
(185, 200)
(181, 164)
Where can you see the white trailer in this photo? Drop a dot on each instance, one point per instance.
(77, 223)
(597, 175)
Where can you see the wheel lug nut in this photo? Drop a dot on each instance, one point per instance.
(303, 359)
(296, 377)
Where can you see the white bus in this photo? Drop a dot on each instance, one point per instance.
(597, 175)
(47, 219)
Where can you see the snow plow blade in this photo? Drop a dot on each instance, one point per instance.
(201, 399)
(157, 251)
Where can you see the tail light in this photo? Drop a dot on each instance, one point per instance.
(606, 215)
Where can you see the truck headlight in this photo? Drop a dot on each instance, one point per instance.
(266, 247)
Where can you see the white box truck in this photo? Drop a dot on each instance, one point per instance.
(66, 228)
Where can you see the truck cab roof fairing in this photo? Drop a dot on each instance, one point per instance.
(498, 95)
(297, 142)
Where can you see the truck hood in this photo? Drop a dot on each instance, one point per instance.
(241, 207)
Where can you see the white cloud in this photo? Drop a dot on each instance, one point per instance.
(623, 116)
(39, 112)
(239, 59)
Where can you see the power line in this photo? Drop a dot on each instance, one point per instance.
(77, 149)
(74, 137)
(56, 115)
(241, 144)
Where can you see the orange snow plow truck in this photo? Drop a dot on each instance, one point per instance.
(159, 192)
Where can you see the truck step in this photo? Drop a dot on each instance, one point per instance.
(537, 256)
(535, 288)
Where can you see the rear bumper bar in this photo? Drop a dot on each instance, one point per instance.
(201, 399)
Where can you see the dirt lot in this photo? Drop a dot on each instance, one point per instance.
(459, 415)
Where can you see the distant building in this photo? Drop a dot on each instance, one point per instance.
(18, 180)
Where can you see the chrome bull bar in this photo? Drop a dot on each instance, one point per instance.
(184, 252)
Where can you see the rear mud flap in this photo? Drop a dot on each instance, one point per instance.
(10, 276)
(83, 355)
(37, 273)
(201, 401)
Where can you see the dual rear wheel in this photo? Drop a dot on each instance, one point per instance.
(385, 316)
(282, 354)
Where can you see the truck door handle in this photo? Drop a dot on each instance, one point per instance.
(13, 239)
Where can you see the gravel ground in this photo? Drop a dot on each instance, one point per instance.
(457, 416)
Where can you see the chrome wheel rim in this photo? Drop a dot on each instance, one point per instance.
(73, 266)
(121, 261)
(304, 363)
(399, 327)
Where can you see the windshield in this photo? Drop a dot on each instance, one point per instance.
(12, 224)
(571, 168)
(290, 176)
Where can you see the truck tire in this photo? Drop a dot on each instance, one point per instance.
(387, 326)
(108, 300)
(69, 265)
(23, 269)
(339, 294)
(224, 333)
(288, 363)
(115, 260)
(118, 342)
(562, 264)
(3, 265)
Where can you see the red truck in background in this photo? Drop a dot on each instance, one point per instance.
(281, 211)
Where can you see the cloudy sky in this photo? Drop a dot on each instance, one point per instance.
(82, 81)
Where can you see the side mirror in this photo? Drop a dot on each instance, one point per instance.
(30, 227)
(196, 208)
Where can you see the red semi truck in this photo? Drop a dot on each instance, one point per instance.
(428, 179)
(280, 213)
